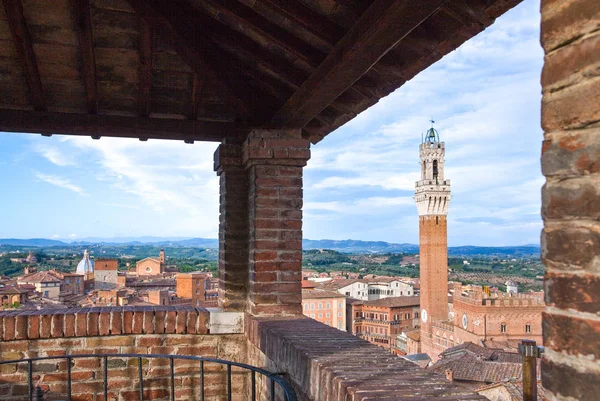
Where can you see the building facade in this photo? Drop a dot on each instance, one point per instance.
(432, 196)
(381, 321)
(106, 274)
(192, 286)
(325, 306)
(371, 289)
(151, 266)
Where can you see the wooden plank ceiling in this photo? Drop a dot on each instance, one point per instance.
(213, 69)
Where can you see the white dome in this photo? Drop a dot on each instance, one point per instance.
(86, 265)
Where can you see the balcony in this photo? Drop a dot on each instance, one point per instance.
(185, 352)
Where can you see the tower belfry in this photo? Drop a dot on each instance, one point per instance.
(432, 196)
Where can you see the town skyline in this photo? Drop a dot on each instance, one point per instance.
(74, 187)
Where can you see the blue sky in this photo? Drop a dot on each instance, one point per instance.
(485, 98)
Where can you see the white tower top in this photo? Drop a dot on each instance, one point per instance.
(432, 193)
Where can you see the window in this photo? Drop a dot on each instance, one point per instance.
(46, 294)
(312, 306)
(312, 315)
(339, 305)
(67, 281)
(347, 293)
(320, 305)
(148, 269)
(435, 170)
(320, 315)
(503, 328)
(305, 306)
(407, 315)
(339, 314)
(340, 325)
(527, 328)
(327, 305)
(416, 315)
(328, 315)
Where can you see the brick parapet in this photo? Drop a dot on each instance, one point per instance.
(326, 364)
(102, 321)
(571, 197)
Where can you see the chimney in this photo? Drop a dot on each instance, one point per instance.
(449, 375)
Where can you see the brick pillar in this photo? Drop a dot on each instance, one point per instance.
(571, 198)
(274, 160)
(233, 227)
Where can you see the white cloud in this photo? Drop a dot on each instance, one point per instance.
(53, 155)
(61, 183)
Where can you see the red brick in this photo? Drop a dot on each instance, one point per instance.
(159, 322)
(92, 324)
(170, 322)
(116, 322)
(564, 21)
(575, 336)
(576, 197)
(138, 322)
(104, 323)
(572, 107)
(568, 382)
(570, 247)
(570, 63)
(127, 321)
(9, 328)
(81, 324)
(570, 291)
(33, 329)
(70, 325)
(149, 322)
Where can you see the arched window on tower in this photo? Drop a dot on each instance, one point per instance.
(435, 170)
(424, 171)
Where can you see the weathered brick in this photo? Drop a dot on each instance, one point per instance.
(116, 322)
(568, 382)
(570, 334)
(70, 324)
(104, 323)
(577, 247)
(572, 107)
(571, 291)
(571, 198)
(565, 20)
(572, 63)
(572, 154)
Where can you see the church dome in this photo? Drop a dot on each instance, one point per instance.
(86, 265)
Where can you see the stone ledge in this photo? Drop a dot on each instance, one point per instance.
(102, 321)
(324, 363)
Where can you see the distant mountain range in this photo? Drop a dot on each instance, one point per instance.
(349, 245)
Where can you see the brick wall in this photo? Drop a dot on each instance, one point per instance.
(323, 363)
(571, 198)
(145, 330)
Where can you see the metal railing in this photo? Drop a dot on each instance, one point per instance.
(35, 393)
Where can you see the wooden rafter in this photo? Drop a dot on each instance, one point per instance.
(196, 97)
(95, 125)
(24, 46)
(86, 48)
(200, 53)
(146, 40)
(379, 29)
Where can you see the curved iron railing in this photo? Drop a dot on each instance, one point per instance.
(274, 378)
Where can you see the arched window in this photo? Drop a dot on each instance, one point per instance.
(435, 170)
(503, 328)
(528, 328)
(424, 172)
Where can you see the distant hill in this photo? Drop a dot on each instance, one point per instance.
(31, 242)
(349, 245)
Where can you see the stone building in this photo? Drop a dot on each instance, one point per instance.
(151, 266)
(381, 321)
(192, 286)
(370, 289)
(106, 274)
(432, 196)
(47, 283)
(325, 306)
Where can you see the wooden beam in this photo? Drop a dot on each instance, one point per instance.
(95, 125)
(379, 29)
(197, 85)
(200, 53)
(146, 41)
(23, 43)
(86, 48)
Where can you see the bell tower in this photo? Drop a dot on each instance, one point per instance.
(432, 196)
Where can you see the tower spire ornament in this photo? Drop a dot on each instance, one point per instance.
(432, 196)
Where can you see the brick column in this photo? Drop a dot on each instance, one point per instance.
(233, 227)
(274, 160)
(571, 198)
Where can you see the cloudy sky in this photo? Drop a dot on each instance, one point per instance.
(485, 98)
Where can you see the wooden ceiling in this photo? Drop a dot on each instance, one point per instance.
(213, 69)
